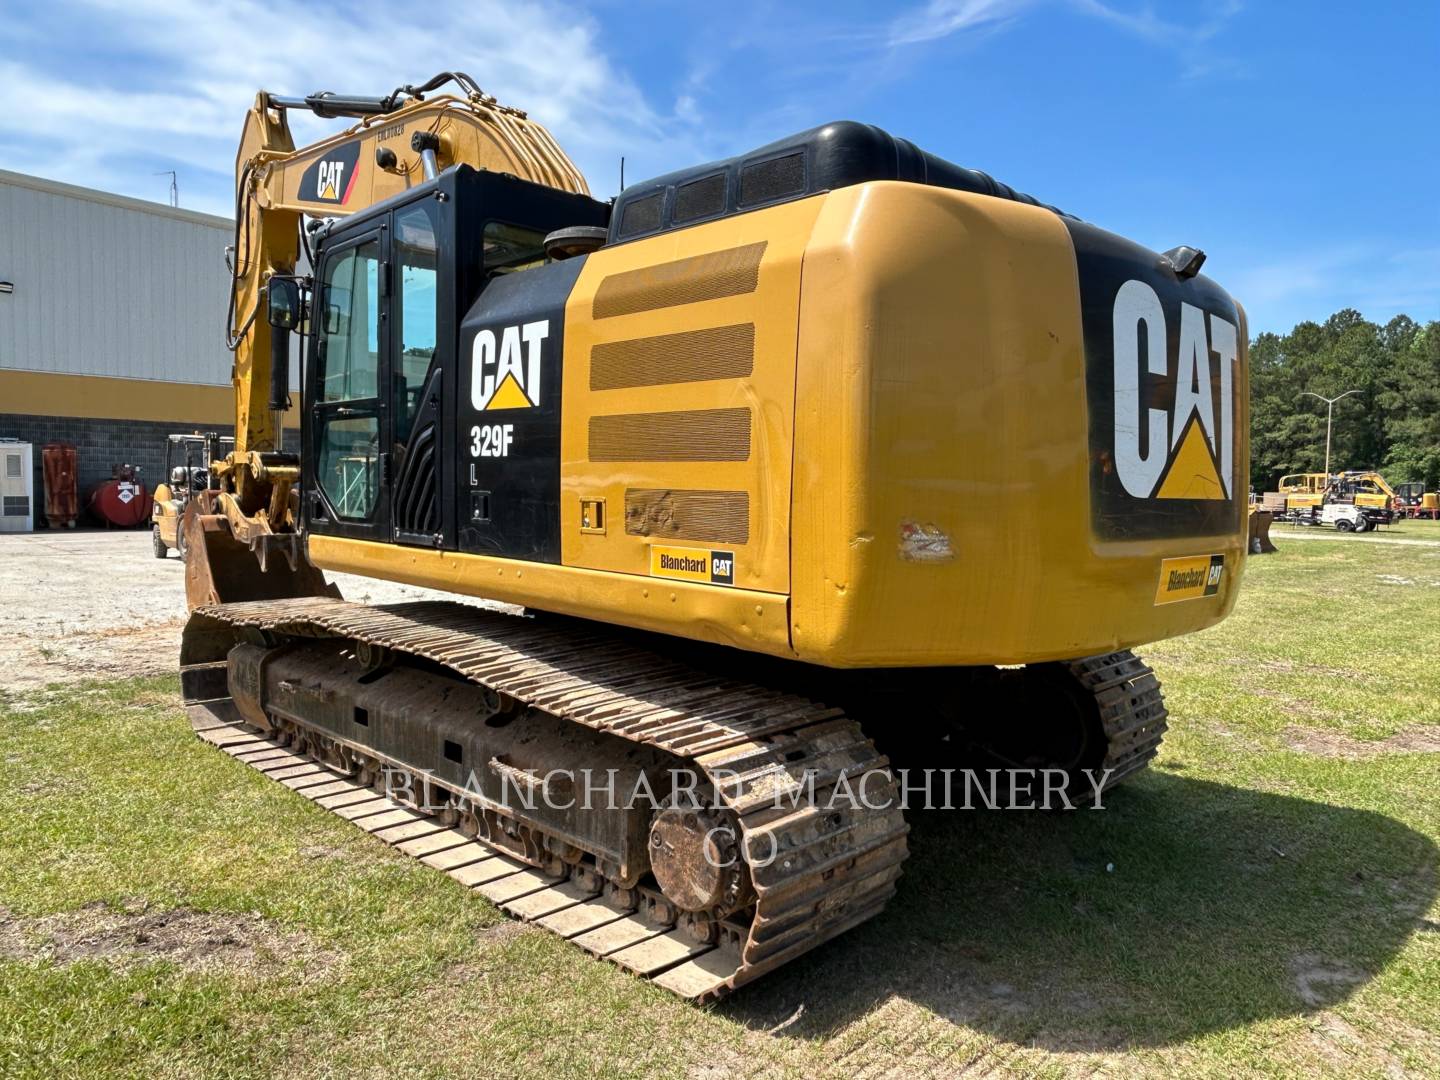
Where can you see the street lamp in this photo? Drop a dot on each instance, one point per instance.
(1329, 415)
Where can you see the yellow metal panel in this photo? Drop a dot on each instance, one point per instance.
(739, 617)
(942, 492)
(698, 279)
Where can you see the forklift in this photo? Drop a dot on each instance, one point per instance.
(187, 471)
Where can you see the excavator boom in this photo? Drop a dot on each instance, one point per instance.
(401, 140)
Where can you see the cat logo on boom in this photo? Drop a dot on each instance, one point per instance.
(332, 178)
(328, 181)
(505, 372)
(1184, 452)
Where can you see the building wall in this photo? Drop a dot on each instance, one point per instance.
(101, 444)
(110, 286)
(113, 338)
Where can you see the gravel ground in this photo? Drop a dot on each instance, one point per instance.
(96, 604)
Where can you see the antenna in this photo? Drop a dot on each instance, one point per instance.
(174, 185)
(622, 172)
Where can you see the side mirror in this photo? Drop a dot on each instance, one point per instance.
(284, 303)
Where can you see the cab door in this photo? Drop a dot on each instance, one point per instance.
(349, 437)
(418, 301)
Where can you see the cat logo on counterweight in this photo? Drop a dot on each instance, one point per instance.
(1184, 451)
(1165, 393)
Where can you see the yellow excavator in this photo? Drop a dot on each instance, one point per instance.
(757, 449)
(1412, 500)
(1355, 500)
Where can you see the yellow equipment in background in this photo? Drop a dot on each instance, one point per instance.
(1412, 500)
(759, 448)
(188, 460)
(1304, 496)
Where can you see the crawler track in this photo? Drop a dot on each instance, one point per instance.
(1132, 710)
(834, 866)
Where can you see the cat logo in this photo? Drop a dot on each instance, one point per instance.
(1184, 451)
(505, 369)
(332, 178)
(693, 564)
(328, 181)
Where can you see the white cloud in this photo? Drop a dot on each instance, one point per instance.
(942, 18)
(167, 83)
(1375, 280)
(1145, 23)
(946, 18)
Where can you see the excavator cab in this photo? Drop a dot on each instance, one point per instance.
(381, 392)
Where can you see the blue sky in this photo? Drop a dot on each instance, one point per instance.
(1295, 142)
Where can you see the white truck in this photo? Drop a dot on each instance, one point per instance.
(1346, 517)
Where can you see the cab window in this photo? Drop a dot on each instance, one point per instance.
(511, 247)
(350, 362)
(416, 255)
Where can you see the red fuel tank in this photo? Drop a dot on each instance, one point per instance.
(123, 500)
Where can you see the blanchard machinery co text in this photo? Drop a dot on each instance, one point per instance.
(874, 789)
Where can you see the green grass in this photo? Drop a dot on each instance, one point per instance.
(1265, 900)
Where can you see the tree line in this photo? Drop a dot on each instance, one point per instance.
(1392, 425)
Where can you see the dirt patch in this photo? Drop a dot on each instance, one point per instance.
(319, 851)
(1424, 740)
(194, 940)
(486, 937)
(1285, 702)
(1321, 981)
(122, 653)
(1289, 667)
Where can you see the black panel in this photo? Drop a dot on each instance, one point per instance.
(1126, 294)
(642, 215)
(772, 180)
(417, 512)
(508, 412)
(822, 159)
(701, 198)
(428, 497)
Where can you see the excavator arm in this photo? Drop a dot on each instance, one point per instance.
(400, 140)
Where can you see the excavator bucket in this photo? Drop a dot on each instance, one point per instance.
(1260, 521)
(219, 569)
